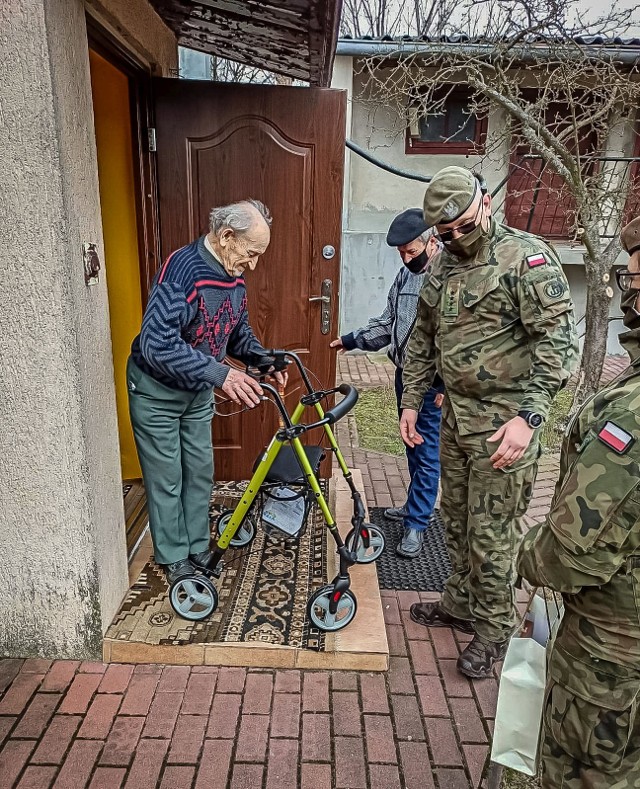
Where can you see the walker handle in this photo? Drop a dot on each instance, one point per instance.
(344, 406)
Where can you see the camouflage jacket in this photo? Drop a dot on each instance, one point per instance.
(499, 330)
(589, 546)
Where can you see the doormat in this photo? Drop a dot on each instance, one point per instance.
(263, 591)
(425, 573)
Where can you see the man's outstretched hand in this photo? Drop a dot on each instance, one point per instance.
(408, 431)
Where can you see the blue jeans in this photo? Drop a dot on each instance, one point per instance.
(423, 459)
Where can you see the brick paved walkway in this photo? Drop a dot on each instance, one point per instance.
(71, 725)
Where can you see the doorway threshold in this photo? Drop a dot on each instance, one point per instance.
(261, 619)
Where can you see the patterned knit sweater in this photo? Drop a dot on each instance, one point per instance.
(196, 315)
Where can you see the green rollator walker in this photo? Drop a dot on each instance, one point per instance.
(280, 494)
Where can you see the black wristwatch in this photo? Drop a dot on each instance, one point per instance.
(531, 418)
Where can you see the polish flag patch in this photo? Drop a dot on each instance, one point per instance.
(533, 261)
(615, 438)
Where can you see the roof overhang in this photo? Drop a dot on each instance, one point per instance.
(296, 38)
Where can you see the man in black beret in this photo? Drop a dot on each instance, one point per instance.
(416, 244)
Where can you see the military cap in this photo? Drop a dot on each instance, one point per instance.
(406, 227)
(630, 236)
(449, 194)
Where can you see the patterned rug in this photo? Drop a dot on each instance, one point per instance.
(263, 591)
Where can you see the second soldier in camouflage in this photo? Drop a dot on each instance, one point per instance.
(495, 320)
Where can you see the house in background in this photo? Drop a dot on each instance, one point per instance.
(107, 163)
(373, 197)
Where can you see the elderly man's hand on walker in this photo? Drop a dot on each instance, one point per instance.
(408, 431)
(242, 388)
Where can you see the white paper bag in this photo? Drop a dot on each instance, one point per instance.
(522, 681)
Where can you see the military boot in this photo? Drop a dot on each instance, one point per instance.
(479, 657)
(434, 615)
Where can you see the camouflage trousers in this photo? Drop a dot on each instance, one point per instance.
(591, 722)
(482, 510)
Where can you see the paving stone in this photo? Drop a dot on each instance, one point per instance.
(396, 640)
(384, 776)
(79, 764)
(442, 740)
(9, 670)
(349, 763)
(391, 611)
(399, 676)
(147, 764)
(282, 771)
(444, 643)
(414, 760)
(285, 717)
(455, 683)
(407, 718)
(57, 738)
(476, 758)
(452, 779)
(422, 657)
(92, 667)
(99, 719)
(231, 680)
(6, 724)
(36, 666)
(163, 714)
(315, 691)
(344, 680)
(287, 681)
(80, 693)
(17, 697)
(109, 778)
(258, 690)
(213, 769)
(252, 739)
(346, 714)
(374, 693)
(37, 778)
(13, 758)
(187, 739)
(246, 776)
(468, 721)
(122, 742)
(139, 695)
(116, 679)
(379, 739)
(316, 776)
(199, 694)
(37, 716)
(223, 718)
(60, 675)
(177, 777)
(316, 737)
(432, 698)
(174, 679)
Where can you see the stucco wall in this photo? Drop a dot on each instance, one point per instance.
(62, 552)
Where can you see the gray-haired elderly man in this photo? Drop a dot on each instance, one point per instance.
(196, 315)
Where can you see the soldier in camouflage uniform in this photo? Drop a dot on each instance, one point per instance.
(495, 320)
(589, 550)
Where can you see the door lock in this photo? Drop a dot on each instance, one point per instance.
(325, 300)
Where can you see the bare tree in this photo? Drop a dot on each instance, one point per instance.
(561, 97)
(379, 18)
(223, 70)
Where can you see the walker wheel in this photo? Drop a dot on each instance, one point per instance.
(245, 533)
(367, 553)
(193, 597)
(322, 618)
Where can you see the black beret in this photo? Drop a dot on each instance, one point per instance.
(406, 227)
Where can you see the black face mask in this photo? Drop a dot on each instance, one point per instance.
(418, 263)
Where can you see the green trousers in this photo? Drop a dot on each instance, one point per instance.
(591, 731)
(172, 431)
(482, 509)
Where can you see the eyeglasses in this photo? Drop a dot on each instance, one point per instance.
(624, 278)
(464, 230)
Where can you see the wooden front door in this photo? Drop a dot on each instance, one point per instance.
(219, 143)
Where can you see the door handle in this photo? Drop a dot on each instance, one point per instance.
(325, 300)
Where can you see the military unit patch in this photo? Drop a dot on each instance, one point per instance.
(533, 261)
(615, 438)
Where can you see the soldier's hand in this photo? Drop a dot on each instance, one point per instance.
(438, 400)
(514, 436)
(408, 431)
(242, 388)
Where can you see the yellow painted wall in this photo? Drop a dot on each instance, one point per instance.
(110, 88)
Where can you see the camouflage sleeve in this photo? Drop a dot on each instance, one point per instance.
(594, 522)
(630, 339)
(419, 367)
(546, 311)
